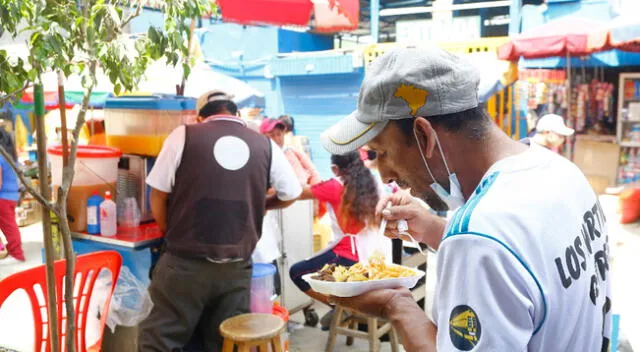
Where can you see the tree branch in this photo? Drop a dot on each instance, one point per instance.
(67, 174)
(126, 21)
(13, 95)
(45, 203)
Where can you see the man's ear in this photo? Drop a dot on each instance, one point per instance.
(426, 136)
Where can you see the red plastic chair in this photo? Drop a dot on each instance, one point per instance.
(33, 282)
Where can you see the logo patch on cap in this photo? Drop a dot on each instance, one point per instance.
(414, 97)
(464, 328)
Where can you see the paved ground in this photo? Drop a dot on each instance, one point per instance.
(625, 246)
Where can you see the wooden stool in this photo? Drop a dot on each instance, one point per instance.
(252, 330)
(343, 324)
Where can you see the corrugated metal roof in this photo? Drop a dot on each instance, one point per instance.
(337, 62)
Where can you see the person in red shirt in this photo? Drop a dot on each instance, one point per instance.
(352, 197)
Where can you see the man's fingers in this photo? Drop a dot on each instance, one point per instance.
(396, 199)
(399, 212)
(382, 204)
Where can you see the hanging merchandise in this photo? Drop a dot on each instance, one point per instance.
(541, 92)
(591, 109)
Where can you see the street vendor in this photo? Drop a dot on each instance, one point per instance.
(208, 196)
(551, 132)
(523, 264)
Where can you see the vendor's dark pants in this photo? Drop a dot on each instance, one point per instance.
(192, 295)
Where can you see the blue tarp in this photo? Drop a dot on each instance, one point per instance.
(612, 58)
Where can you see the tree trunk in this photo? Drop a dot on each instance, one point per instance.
(62, 102)
(69, 254)
(61, 206)
(45, 191)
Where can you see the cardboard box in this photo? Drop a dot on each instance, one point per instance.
(28, 213)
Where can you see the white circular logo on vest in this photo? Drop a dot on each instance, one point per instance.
(232, 153)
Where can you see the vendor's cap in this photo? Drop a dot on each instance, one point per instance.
(269, 125)
(212, 95)
(404, 83)
(553, 123)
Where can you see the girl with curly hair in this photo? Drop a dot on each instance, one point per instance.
(352, 197)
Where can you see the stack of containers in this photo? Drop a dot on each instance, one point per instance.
(140, 124)
(96, 171)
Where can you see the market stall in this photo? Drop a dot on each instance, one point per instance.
(135, 128)
(581, 86)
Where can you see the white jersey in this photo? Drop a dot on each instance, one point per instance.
(524, 264)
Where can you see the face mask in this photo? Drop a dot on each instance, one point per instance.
(453, 199)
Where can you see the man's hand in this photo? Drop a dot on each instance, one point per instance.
(425, 227)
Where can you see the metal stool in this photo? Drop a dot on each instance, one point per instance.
(347, 325)
(252, 330)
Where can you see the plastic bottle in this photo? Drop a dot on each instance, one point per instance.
(108, 216)
(93, 213)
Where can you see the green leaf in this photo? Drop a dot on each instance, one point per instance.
(153, 34)
(117, 88)
(113, 13)
(186, 70)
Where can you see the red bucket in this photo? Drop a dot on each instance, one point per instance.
(629, 205)
(281, 312)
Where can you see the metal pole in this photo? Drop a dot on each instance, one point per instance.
(570, 146)
(375, 20)
(45, 191)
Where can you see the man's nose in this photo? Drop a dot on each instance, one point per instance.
(387, 175)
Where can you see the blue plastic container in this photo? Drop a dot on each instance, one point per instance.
(93, 213)
(262, 288)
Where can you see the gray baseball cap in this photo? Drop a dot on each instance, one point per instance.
(404, 83)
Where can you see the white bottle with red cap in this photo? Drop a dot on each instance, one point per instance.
(108, 216)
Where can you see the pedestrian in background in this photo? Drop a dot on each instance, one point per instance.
(352, 196)
(9, 197)
(551, 132)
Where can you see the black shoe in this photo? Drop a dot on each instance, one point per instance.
(325, 321)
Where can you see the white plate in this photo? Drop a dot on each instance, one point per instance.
(351, 289)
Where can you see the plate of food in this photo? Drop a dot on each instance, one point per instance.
(340, 281)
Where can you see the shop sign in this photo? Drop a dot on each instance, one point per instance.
(441, 30)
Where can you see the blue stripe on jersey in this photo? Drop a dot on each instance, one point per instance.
(460, 222)
(526, 267)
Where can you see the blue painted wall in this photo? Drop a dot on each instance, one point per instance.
(316, 99)
(259, 46)
(146, 19)
(533, 16)
(290, 41)
(317, 102)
